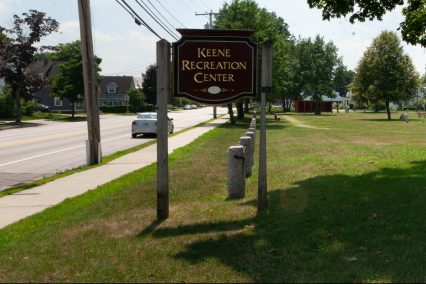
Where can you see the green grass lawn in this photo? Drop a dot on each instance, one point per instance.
(345, 204)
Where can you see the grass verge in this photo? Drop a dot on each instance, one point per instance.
(345, 204)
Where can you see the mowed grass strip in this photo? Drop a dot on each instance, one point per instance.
(345, 204)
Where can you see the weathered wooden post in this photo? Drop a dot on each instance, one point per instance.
(236, 178)
(246, 142)
(93, 144)
(266, 87)
(163, 61)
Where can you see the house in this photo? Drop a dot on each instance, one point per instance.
(418, 100)
(138, 82)
(2, 85)
(114, 90)
(307, 105)
(49, 69)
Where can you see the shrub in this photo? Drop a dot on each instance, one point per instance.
(28, 107)
(113, 109)
(7, 105)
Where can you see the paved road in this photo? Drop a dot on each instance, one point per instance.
(31, 153)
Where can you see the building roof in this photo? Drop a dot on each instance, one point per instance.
(124, 83)
(48, 68)
(336, 98)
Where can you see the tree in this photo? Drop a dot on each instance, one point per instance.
(17, 50)
(385, 74)
(246, 14)
(423, 80)
(149, 84)
(136, 100)
(69, 81)
(294, 79)
(318, 62)
(342, 78)
(413, 29)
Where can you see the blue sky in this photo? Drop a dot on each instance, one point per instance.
(127, 49)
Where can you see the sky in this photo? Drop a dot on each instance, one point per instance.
(128, 49)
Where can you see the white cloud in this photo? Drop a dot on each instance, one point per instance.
(127, 53)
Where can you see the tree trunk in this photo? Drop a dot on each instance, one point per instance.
(283, 103)
(290, 101)
(73, 109)
(388, 109)
(240, 110)
(269, 107)
(231, 114)
(18, 106)
(317, 107)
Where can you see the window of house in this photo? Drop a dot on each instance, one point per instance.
(112, 88)
(57, 101)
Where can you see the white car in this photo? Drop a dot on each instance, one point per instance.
(146, 123)
(187, 107)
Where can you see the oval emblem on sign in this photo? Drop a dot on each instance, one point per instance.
(214, 90)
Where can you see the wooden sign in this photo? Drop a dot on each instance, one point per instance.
(214, 66)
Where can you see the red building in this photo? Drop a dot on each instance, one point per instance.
(307, 105)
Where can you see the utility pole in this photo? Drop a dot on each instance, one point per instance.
(209, 26)
(93, 145)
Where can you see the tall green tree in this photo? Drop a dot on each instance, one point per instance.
(424, 78)
(342, 78)
(18, 46)
(385, 74)
(246, 14)
(319, 61)
(413, 29)
(295, 78)
(136, 100)
(149, 84)
(69, 81)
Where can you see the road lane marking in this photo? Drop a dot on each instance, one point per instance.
(58, 151)
(54, 136)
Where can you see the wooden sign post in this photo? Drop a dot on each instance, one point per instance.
(210, 66)
(163, 79)
(266, 85)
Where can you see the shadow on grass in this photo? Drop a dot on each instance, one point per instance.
(333, 228)
(69, 119)
(10, 125)
(271, 123)
(383, 120)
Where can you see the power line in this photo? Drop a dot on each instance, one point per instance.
(124, 7)
(196, 4)
(155, 18)
(204, 3)
(186, 5)
(168, 12)
(155, 8)
(139, 20)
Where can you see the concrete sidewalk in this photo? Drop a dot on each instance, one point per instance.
(17, 206)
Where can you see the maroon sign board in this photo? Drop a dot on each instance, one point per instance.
(214, 66)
